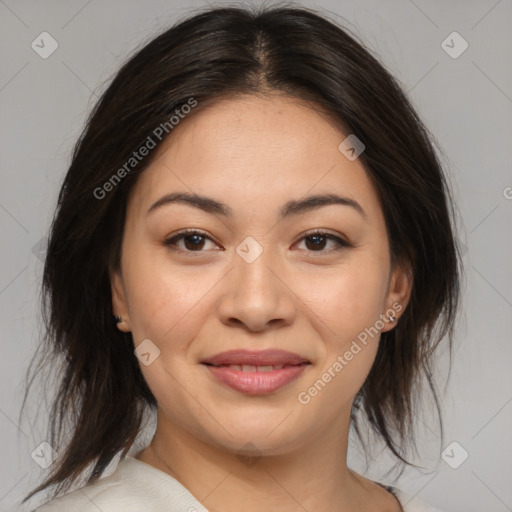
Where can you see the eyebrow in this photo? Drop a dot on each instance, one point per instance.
(294, 207)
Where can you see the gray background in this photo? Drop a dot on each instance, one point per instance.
(467, 104)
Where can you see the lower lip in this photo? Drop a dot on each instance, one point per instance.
(256, 383)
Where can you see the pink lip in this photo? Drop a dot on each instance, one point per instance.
(257, 358)
(254, 382)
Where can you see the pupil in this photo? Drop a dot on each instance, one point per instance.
(317, 237)
(196, 243)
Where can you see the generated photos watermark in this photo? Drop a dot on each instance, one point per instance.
(342, 360)
(157, 135)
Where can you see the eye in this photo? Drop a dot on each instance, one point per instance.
(195, 241)
(316, 241)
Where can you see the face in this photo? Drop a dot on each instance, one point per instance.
(262, 270)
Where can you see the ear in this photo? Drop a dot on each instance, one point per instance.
(399, 293)
(119, 303)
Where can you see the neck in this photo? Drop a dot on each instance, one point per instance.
(309, 476)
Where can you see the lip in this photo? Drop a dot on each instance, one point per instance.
(258, 358)
(256, 382)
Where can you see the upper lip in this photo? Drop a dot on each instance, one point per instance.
(257, 358)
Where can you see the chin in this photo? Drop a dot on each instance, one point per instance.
(254, 435)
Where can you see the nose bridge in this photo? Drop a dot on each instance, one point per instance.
(256, 294)
(252, 265)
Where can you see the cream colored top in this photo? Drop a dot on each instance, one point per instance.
(135, 486)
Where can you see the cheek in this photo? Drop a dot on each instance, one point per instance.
(348, 300)
(168, 306)
(163, 298)
(350, 332)
(334, 386)
(348, 304)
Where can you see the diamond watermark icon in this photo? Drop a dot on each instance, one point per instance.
(351, 147)
(249, 460)
(454, 455)
(249, 250)
(44, 455)
(44, 45)
(454, 45)
(462, 247)
(147, 352)
(39, 249)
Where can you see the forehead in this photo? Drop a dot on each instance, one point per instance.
(251, 150)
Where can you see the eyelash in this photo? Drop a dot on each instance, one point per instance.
(342, 244)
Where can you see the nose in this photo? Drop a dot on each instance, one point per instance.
(256, 295)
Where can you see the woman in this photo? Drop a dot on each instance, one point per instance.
(253, 240)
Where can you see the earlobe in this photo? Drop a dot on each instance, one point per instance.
(119, 306)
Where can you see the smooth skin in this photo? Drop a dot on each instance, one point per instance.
(198, 297)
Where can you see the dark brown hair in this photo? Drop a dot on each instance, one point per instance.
(214, 54)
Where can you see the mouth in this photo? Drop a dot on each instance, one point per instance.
(252, 367)
(260, 358)
(256, 373)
